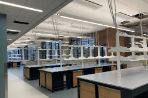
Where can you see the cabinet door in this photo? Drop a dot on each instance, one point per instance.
(14, 64)
(42, 78)
(105, 92)
(113, 68)
(27, 73)
(49, 81)
(87, 90)
(98, 70)
(75, 74)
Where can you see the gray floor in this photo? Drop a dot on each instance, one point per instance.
(18, 72)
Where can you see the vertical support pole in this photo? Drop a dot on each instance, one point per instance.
(3, 58)
(29, 53)
(146, 64)
(118, 52)
(133, 41)
(47, 50)
(38, 56)
(91, 51)
(61, 59)
(82, 56)
(133, 54)
(23, 59)
(23, 54)
(71, 52)
(98, 55)
(82, 52)
(144, 43)
(105, 48)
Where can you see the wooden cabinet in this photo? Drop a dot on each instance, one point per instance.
(75, 74)
(14, 64)
(108, 37)
(42, 79)
(98, 70)
(27, 73)
(49, 81)
(123, 66)
(87, 90)
(113, 68)
(105, 92)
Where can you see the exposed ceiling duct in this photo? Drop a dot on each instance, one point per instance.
(143, 17)
(136, 23)
(89, 3)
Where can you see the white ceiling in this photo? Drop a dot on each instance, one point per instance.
(102, 14)
(34, 18)
(82, 10)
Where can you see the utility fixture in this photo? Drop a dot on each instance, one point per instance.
(94, 23)
(20, 6)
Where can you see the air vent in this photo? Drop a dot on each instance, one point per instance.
(12, 33)
(89, 4)
(21, 22)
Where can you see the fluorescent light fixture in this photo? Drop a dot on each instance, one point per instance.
(20, 6)
(119, 28)
(79, 37)
(12, 30)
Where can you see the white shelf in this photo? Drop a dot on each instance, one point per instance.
(130, 58)
(131, 49)
(121, 49)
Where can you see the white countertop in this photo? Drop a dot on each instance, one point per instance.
(31, 66)
(73, 67)
(130, 78)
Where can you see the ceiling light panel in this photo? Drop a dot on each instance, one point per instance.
(20, 6)
(12, 30)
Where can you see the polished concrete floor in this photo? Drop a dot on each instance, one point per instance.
(18, 87)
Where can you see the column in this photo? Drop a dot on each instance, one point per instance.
(3, 57)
